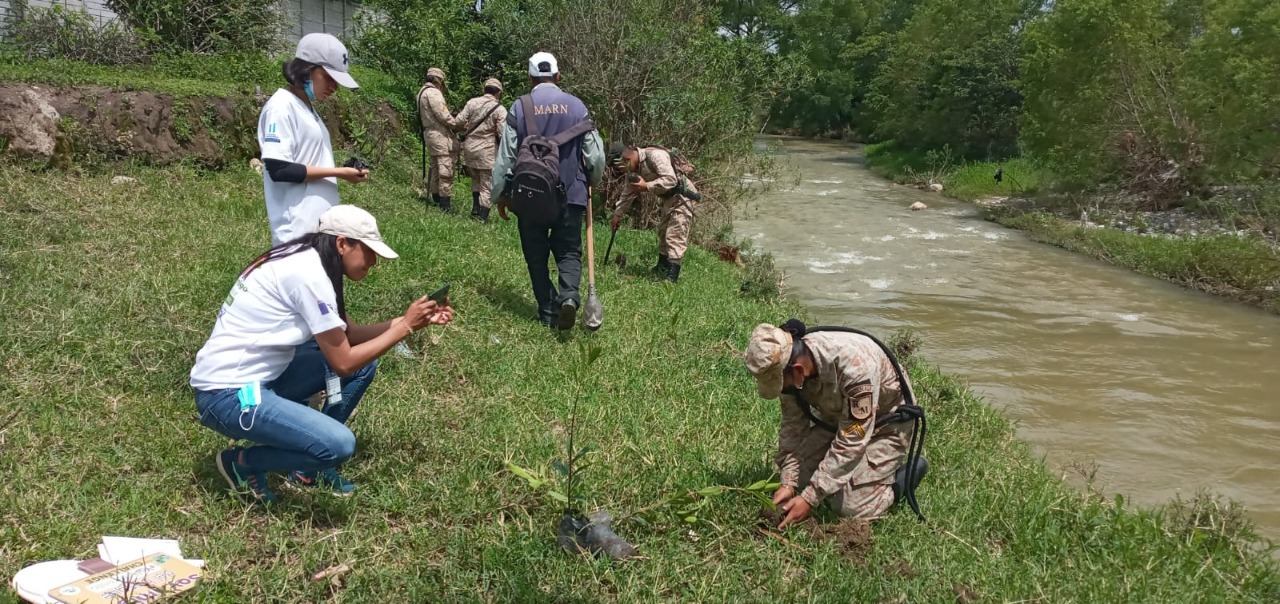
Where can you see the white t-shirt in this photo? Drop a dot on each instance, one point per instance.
(278, 306)
(290, 131)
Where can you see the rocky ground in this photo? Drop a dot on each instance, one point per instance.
(1176, 222)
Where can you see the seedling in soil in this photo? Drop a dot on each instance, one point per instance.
(577, 533)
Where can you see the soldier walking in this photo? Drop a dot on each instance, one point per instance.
(480, 124)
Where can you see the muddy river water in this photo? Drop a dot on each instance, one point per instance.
(1165, 389)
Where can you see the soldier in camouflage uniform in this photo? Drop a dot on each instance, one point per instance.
(657, 175)
(483, 116)
(848, 382)
(437, 134)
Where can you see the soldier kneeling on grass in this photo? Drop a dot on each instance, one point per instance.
(849, 422)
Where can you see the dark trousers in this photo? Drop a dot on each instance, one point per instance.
(563, 239)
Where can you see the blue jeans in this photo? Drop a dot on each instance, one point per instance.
(290, 435)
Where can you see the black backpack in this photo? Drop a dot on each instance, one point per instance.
(536, 193)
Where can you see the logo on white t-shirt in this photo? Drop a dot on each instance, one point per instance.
(324, 308)
(271, 136)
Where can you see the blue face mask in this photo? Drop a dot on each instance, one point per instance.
(311, 95)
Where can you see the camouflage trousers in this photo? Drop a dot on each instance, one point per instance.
(482, 183)
(869, 492)
(441, 178)
(674, 227)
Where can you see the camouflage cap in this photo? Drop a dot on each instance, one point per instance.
(766, 355)
(494, 83)
(436, 72)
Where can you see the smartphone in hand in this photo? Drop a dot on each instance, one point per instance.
(440, 295)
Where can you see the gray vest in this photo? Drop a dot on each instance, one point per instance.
(556, 111)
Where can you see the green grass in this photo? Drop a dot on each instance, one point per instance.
(183, 75)
(1245, 269)
(109, 291)
(963, 180)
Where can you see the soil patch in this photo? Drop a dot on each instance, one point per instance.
(965, 594)
(852, 537)
(900, 568)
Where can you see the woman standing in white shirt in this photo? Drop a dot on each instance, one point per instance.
(301, 181)
(282, 335)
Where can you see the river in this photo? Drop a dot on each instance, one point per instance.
(1164, 389)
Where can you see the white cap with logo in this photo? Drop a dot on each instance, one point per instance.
(543, 65)
(354, 223)
(328, 52)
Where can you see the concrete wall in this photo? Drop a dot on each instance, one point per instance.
(305, 16)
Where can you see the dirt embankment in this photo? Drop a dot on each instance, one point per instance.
(86, 124)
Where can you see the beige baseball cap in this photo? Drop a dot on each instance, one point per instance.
(494, 82)
(435, 71)
(354, 223)
(766, 355)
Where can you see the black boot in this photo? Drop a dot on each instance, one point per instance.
(475, 205)
(434, 199)
(673, 272)
(484, 215)
(900, 478)
(663, 266)
(446, 203)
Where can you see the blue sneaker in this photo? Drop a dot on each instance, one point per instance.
(241, 479)
(328, 478)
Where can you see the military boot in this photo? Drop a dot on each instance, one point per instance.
(900, 486)
(673, 272)
(446, 203)
(663, 266)
(484, 215)
(434, 199)
(475, 205)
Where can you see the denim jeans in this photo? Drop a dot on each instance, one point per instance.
(563, 241)
(288, 434)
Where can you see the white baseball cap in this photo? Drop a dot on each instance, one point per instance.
(328, 52)
(353, 223)
(543, 65)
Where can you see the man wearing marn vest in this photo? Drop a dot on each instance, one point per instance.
(437, 134)
(651, 170)
(581, 163)
(480, 125)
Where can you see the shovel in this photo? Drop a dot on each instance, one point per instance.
(593, 310)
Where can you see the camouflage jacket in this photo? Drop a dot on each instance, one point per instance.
(437, 123)
(481, 145)
(854, 385)
(657, 170)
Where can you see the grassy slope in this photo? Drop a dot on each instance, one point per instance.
(1240, 269)
(109, 291)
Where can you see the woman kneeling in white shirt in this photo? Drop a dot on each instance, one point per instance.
(282, 335)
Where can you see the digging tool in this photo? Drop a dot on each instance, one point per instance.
(593, 310)
(609, 250)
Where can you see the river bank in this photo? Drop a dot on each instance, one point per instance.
(1226, 246)
(110, 289)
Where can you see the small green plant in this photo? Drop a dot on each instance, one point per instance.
(571, 467)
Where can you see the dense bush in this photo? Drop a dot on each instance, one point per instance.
(206, 26)
(61, 33)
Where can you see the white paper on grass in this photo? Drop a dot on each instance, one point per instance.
(120, 550)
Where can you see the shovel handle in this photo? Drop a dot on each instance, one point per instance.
(591, 243)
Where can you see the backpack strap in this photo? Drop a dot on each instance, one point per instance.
(578, 129)
(530, 126)
(482, 120)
